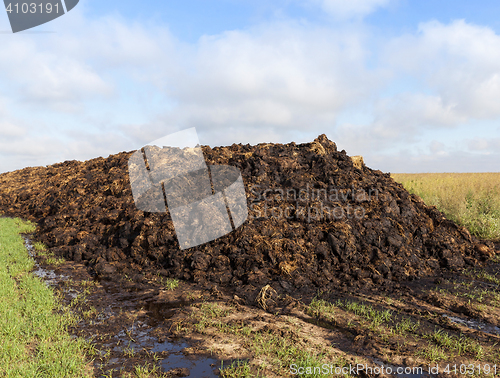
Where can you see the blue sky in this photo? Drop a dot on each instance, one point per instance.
(413, 86)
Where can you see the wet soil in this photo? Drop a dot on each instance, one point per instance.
(131, 324)
(127, 323)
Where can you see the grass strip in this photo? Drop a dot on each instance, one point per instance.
(34, 338)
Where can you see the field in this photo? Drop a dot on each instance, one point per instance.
(34, 338)
(470, 199)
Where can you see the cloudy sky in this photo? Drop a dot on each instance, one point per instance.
(412, 85)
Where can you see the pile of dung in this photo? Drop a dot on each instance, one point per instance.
(315, 219)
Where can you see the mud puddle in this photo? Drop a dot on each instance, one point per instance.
(475, 324)
(49, 276)
(202, 368)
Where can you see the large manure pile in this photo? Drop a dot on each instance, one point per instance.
(316, 219)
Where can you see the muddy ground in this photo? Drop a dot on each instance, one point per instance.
(189, 330)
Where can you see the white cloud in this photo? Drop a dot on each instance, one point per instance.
(346, 9)
(11, 130)
(264, 83)
(112, 43)
(400, 119)
(457, 67)
(438, 148)
(484, 145)
(460, 62)
(9, 127)
(406, 114)
(455, 161)
(47, 78)
(279, 76)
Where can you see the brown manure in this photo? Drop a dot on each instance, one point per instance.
(316, 219)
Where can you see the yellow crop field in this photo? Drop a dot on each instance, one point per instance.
(469, 199)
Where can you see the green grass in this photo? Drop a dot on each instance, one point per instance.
(277, 350)
(40, 248)
(237, 369)
(460, 345)
(469, 199)
(470, 290)
(432, 353)
(482, 275)
(321, 307)
(50, 259)
(167, 282)
(54, 261)
(366, 311)
(171, 283)
(34, 338)
(273, 350)
(209, 312)
(406, 326)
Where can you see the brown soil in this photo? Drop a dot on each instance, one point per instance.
(134, 324)
(86, 213)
